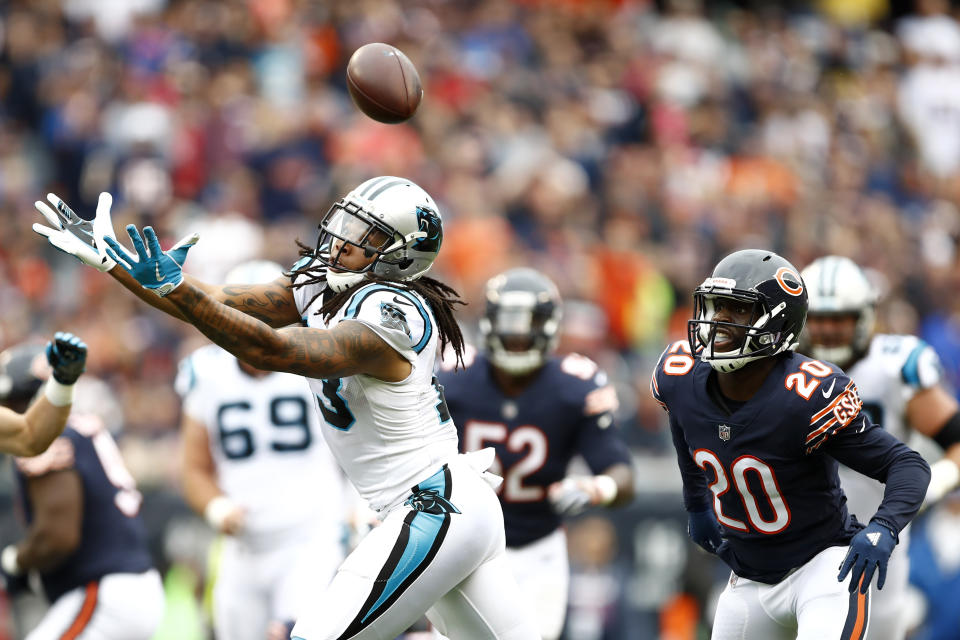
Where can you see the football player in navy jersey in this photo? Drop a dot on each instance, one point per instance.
(759, 431)
(30, 431)
(84, 538)
(538, 411)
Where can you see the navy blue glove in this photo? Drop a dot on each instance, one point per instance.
(703, 528)
(869, 551)
(67, 354)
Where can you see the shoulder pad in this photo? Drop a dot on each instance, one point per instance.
(676, 360)
(393, 309)
(59, 455)
(830, 396)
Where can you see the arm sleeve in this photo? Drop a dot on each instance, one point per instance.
(868, 449)
(696, 495)
(599, 440)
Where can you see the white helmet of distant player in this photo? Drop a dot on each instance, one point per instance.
(390, 219)
(836, 285)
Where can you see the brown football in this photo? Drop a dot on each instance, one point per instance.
(383, 83)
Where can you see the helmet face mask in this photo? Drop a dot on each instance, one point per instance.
(391, 222)
(770, 288)
(521, 325)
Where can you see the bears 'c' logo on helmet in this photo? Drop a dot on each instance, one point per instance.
(789, 281)
(430, 224)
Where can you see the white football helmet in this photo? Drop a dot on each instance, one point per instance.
(387, 217)
(836, 285)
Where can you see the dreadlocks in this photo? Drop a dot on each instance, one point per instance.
(439, 296)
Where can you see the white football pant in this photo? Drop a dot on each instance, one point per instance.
(809, 604)
(887, 620)
(542, 571)
(271, 580)
(119, 606)
(441, 554)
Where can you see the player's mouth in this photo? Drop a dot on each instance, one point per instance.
(723, 339)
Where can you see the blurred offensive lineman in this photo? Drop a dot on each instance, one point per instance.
(538, 411)
(84, 537)
(255, 465)
(758, 431)
(30, 432)
(374, 323)
(899, 379)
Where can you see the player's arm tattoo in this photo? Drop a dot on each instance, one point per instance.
(347, 349)
(272, 303)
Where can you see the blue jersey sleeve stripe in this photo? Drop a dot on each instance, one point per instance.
(353, 309)
(911, 370)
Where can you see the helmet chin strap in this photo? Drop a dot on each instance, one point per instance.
(342, 281)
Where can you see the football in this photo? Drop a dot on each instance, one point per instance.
(383, 83)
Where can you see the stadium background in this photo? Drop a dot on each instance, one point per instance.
(621, 147)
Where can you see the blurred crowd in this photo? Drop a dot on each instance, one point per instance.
(621, 146)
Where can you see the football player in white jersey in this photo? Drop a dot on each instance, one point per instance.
(373, 326)
(899, 378)
(253, 459)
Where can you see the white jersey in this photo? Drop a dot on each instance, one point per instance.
(387, 436)
(894, 369)
(265, 441)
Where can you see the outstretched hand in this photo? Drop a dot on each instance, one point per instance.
(83, 239)
(153, 268)
(67, 354)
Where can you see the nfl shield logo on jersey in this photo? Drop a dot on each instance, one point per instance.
(724, 432)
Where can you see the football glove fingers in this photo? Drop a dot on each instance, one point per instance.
(869, 552)
(67, 354)
(151, 267)
(703, 529)
(570, 496)
(71, 234)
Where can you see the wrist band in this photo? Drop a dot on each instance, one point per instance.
(217, 511)
(944, 476)
(59, 395)
(606, 488)
(8, 560)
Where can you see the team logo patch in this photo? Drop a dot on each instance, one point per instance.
(724, 432)
(789, 281)
(430, 501)
(393, 318)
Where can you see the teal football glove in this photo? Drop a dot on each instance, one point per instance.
(67, 354)
(153, 268)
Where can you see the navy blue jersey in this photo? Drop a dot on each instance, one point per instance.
(769, 469)
(113, 538)
(565, 410)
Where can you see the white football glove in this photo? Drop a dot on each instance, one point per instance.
(573, 494)
(83, 239)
